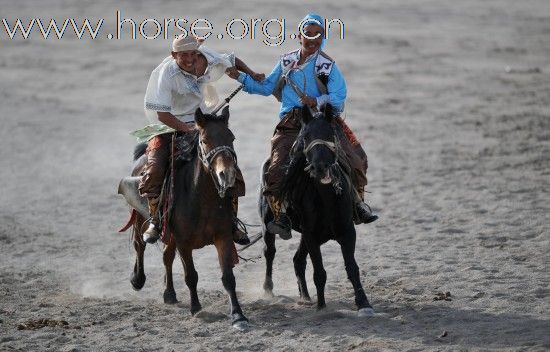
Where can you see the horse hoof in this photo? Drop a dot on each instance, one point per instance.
(196, 309)
(170, 297)
(137, 281)
(365, 312)
(268, 286)
(305, 301)
(241, 325)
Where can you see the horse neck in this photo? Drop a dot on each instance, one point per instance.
(205, 186)
(326, 194)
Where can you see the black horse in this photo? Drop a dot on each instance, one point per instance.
(320, 206)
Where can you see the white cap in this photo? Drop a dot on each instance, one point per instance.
(184, 43)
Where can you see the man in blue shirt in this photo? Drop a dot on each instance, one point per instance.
(314, 80)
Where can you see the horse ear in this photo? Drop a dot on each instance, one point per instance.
(306, 115)
(199, 117)
(225, 113)
(328, 111)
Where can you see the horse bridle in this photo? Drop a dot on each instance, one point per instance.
(332, 146)
(313, 143)
(207, 158)
(334, 168)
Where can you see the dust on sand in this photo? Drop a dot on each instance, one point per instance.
(453, 103)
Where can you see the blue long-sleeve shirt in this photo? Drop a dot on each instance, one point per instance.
(336, 87)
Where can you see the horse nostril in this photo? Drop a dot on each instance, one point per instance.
(221, 175)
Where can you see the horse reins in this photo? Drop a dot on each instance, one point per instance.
(301, 93)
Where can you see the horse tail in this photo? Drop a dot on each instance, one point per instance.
(139, 150)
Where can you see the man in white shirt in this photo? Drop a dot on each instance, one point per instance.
(176, 88)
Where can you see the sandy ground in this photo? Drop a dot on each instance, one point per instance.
(459, 151)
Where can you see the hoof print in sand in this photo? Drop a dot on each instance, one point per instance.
(41, 323)
(440, 296)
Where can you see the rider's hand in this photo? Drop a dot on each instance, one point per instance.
(309, 101)
(257, 76)
(232, 72)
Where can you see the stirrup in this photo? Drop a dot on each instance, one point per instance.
(152, 234)
(281, 226)
(240, 235)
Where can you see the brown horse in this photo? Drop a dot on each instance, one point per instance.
(201, 214)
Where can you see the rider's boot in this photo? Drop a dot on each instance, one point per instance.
(363, 213)
(152, 234)
(281, 223)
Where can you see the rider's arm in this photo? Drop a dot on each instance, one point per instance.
(264, 87)
(171, 121)
(336, 90)
(241, 66)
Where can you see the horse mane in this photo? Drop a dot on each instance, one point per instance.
(295, 177)
(329, 110)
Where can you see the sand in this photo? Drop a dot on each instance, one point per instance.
(452, 103)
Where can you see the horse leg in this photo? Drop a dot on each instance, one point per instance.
(269, 239)
(347, 245)
(225, 257)
(191, 278)
(300, 269)
(319, 273)
(269, 253)
(137, 279)
(168, 255)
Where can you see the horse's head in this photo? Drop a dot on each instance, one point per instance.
(319, 144)
(216, 148)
